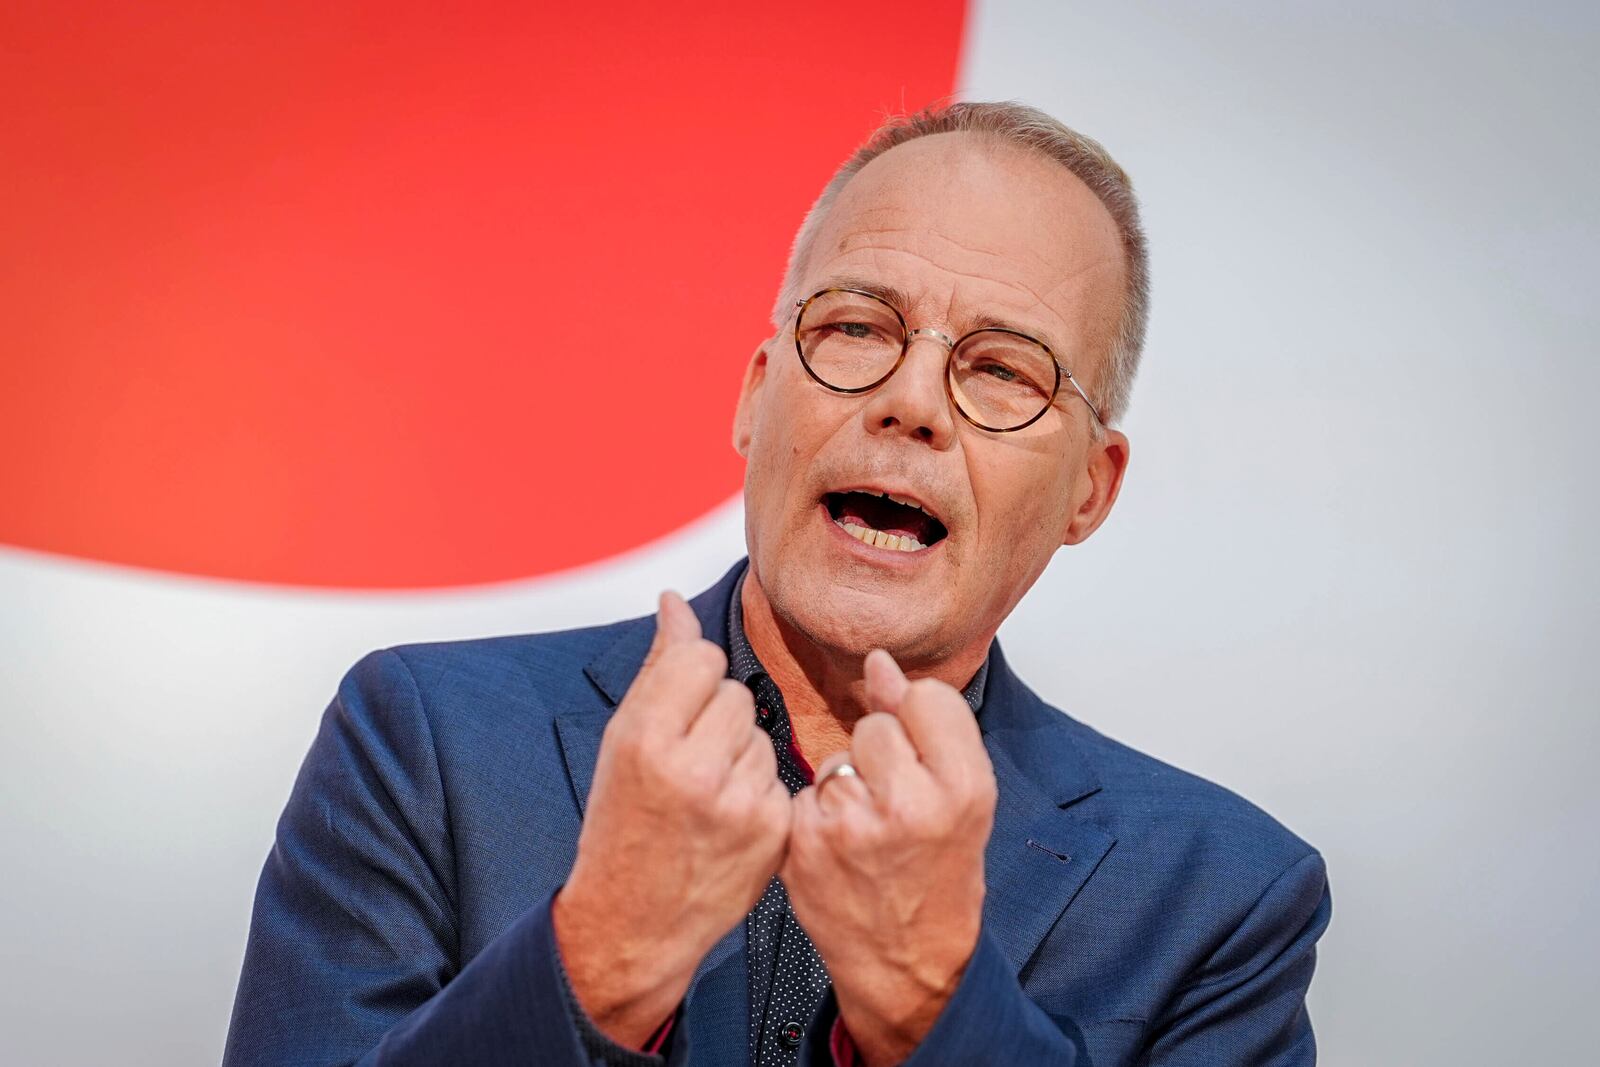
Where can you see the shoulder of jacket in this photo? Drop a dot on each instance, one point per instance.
(483, 675)
(1145, 795)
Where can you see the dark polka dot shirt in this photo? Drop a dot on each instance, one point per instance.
(788, 979)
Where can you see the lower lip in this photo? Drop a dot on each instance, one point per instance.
(883, 557)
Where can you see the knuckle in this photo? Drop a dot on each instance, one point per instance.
(903, 815)
(682, 658)
(620, 737)
(725, 805)
(777, 812)
(736, 695)
(875, 726)
(961, 800)
(762, 769)
(923, 821)
(743, 780)
(976, 787)
(988, 789)
(698, 658)
(709, 656)
(854, 833)
(766, 756)
(697, 783)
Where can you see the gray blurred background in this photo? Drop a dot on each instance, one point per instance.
(1351, 575)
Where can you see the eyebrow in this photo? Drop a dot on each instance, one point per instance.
(901, 302)
(896, 298)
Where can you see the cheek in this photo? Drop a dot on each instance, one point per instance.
(782, 444)
(1022, 511)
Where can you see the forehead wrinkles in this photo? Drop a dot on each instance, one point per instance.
(960, 255)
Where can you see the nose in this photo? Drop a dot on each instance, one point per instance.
(913, 401)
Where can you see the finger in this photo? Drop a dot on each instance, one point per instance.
(672, 693)
(836, 792)
(826, 767)
(676, 623)
(941, 726)
(803, 821)
(886, 682)
(883, 754)
(782, 808)
(722, 728)
(888, 689)
(757, 762)
(755, 786)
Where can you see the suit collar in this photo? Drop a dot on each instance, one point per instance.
(1013, 716)
(613, 670)
(1035, 736)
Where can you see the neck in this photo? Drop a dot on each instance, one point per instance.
(823, 689)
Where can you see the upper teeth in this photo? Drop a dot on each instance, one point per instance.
(902, 500)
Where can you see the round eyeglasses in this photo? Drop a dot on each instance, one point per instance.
(851, 341)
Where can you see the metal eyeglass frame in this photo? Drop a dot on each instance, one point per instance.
(950, 351)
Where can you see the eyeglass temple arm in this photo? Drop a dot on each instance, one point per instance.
(1079, 390)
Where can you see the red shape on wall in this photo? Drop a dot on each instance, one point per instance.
(393, 297)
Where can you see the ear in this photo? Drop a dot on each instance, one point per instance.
(755, 376)
(1103, 469)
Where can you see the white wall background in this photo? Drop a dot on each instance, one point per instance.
(1351, 575)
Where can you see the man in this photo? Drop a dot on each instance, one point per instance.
(813, 816)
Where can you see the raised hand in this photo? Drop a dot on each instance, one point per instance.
(885, 868)
(685, 825)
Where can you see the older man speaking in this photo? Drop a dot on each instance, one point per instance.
(813, 816)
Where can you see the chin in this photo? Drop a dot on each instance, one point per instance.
(848, 616)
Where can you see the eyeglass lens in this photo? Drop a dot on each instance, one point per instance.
(851, 342)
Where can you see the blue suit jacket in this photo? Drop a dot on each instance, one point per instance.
(1135, 913)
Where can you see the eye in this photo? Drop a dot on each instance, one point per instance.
(1000, 371)
(858, 330)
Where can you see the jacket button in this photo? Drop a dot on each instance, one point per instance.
(791, 1034)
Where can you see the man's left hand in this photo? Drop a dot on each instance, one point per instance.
(885, 868)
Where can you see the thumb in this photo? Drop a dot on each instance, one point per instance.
(676, 623)
(886, 682)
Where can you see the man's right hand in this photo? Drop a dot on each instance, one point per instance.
(686, 823)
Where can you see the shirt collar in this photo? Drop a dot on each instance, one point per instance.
(743, 664)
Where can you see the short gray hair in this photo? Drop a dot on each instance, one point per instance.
(1033, 130)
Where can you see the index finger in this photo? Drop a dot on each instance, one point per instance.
(676, 623)
(671, 694)
(937, 719)
(680, 672)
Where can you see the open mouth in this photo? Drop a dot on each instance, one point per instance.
(884, 521)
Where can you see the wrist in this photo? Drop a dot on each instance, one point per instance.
(625, 985)
(889, 1007)
(888, 1024)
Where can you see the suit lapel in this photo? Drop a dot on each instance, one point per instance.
(1038, 856)
(612, 671)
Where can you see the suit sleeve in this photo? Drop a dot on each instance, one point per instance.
(988, 1020)
(353, 951)
(1247, 1005)
(1245, 1008)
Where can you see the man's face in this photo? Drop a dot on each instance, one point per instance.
(969, 231)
